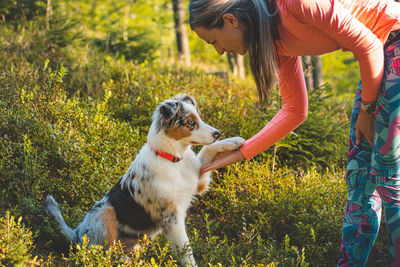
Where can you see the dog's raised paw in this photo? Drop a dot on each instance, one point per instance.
(227, 144)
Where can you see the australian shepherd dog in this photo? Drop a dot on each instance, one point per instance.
(155, 193)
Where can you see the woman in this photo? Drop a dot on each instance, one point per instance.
(276, 33)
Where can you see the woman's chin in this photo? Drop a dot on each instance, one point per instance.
(242, 53)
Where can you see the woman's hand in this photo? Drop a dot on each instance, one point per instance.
(365, 127)
(223, 159)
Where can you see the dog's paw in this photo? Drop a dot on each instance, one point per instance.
(227, 144)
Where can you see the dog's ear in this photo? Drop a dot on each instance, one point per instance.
(189, 99)
(169, 109)
(186, 98)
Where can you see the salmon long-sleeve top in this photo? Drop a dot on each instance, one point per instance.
(315, 27)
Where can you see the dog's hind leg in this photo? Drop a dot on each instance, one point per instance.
(110, 225)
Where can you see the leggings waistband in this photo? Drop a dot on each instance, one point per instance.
(393, 37)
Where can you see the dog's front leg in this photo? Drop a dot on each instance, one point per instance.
(176, 233)
(205, 156)
(208, 153)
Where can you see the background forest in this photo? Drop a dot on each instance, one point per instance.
(78, 83)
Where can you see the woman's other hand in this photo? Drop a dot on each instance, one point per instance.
(365, 127)
(223, 159)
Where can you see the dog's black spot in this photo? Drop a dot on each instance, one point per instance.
(188, 99)
(168, 221)
(97, 205)
(158, 122)
(182, 121)
(168, 109)
(139, 191)
(162, 123)
(131, 175)
(145, 172)
(128, 211)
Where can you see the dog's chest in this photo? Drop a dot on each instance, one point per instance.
(173, 183)
(179, 184)
(179, 180)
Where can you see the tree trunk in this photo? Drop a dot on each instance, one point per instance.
(126, 20)
(313, 71)
(307, 63)
(240, 63)
(318, 78)
(236, 64)
(182, 40)
(93, 8)
(48, 14)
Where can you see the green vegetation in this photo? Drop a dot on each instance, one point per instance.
(75, 105)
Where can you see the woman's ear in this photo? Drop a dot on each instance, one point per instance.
(231, 19)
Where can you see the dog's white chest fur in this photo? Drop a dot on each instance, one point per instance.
(174, 182)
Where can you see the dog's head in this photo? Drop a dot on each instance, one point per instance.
(178, 118)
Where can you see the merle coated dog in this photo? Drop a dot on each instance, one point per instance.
(155, 193)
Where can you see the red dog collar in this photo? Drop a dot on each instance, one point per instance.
(166, 155)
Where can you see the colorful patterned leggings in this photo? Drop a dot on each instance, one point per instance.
(373, 175)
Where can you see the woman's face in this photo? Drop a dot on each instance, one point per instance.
(230, 38)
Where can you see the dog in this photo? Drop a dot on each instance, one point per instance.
(155, 193)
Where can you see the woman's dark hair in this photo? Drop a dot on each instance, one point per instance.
(260, 19)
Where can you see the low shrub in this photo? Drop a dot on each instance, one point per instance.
(16, 242)
(290, 217)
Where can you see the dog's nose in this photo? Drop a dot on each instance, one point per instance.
(216, 134)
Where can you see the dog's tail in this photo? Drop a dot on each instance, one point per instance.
(52, 207)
